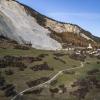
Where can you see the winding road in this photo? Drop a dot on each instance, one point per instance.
(47, 82)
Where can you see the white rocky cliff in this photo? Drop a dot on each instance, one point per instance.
(16, 24)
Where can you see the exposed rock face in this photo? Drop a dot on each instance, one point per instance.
(15, 23)
(23, 24)
(59, 28)
(62, 28)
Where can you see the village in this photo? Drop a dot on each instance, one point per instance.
(84, 51)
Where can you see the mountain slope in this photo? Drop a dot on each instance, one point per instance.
(19, 25)
(23, 24)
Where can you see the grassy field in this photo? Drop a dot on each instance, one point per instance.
(19, 78)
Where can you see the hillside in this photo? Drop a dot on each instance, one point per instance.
(33, 62)
(23, 24)
(23, 73)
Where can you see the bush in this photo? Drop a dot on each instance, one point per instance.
(54, 82)
(93, 71)
(37, 81)
(9, 72)
(2, 81)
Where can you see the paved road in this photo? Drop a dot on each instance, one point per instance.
(47, 82)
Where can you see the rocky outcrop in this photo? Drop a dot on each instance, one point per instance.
(65, 27)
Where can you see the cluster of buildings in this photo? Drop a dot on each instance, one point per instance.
(87, 51)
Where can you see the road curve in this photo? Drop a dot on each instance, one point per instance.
(47, 82)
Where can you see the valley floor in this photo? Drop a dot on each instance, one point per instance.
(61, 70)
